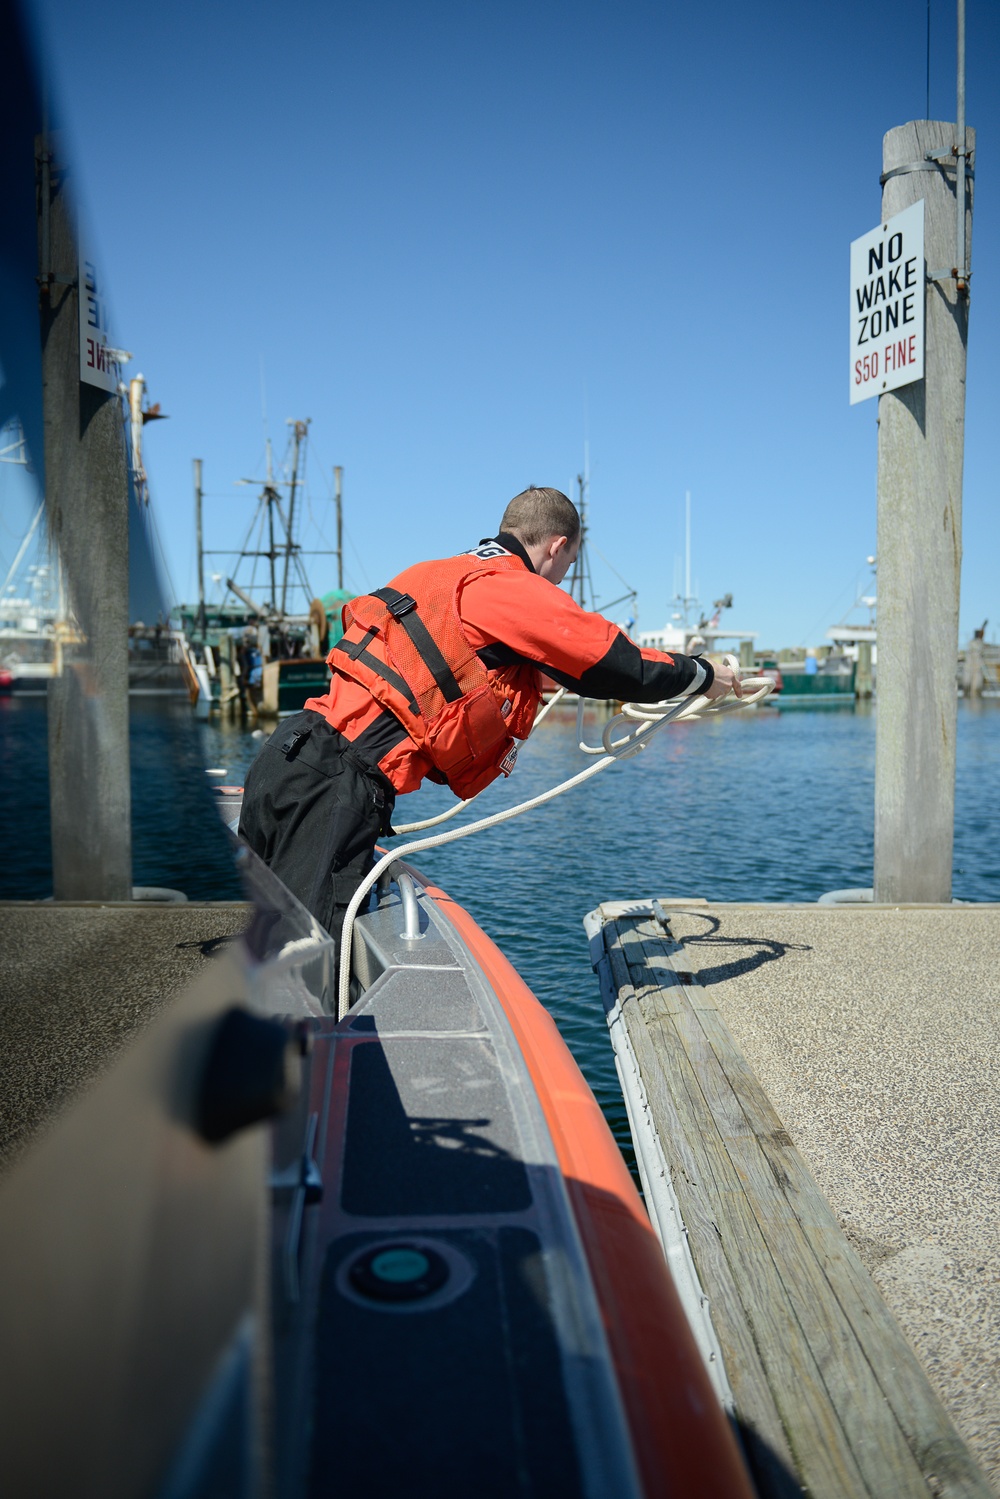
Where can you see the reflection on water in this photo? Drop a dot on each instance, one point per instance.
(764, 806)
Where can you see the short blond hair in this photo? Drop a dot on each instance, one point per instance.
(537, 514)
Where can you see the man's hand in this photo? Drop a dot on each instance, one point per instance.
(725, 678)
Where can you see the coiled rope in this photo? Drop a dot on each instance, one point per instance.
(640, 722)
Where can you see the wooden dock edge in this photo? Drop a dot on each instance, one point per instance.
(655, 1175)
(825, 1391)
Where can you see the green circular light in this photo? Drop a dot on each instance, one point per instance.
(400, 1266)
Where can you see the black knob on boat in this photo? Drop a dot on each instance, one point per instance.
(252, 1073)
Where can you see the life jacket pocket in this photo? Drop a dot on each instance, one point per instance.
(517, 687)
(471, 732)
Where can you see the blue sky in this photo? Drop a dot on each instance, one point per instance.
(460, 237)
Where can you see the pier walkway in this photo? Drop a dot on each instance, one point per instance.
(822, 1082)
(78, 981)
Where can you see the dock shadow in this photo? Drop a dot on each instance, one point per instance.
(763, 950)
(400, 1160)
(208, 946)
(772, 1477)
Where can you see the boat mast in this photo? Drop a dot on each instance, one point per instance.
(684, 601)
(687, 552)
(271, 496)
(299, 430)
(338, 499)
(579, 581)
(201, 547)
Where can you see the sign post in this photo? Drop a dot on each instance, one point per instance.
(921, 438)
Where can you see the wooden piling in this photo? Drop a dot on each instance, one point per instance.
(920, 451)
(86, 495)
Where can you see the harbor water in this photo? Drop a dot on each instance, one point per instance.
(767, 805)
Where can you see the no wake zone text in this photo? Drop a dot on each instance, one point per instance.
(887, 305)
(892, 283)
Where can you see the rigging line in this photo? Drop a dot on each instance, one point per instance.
(617, 574)
(327, 484)
(304, 584)
(259, 548)
(928, 114)
(317, 526)
(853, 586)
(361, 567)
(24, 545)
(245, 547)
(621, 599)
(172, 596)
(289, 542)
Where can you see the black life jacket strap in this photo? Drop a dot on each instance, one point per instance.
(404, 609)
(381, 736)
(355, 648)
(357, 652)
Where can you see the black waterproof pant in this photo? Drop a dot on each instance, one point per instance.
(313, 809)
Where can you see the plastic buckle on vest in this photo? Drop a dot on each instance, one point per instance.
(294, 741)
(403, 605)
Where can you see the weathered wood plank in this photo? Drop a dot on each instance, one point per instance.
(714, 1194)
(742, 1303)
(870, 1428)
(754, 1401)
(623, 973)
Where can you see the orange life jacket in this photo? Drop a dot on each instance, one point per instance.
(405, 645)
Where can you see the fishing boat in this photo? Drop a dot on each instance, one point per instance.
(262, 649)
(810, 680)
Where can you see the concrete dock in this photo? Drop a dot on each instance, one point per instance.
(78, 981)
(864, 1042)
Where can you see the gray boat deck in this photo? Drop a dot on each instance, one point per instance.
(823, 1081)
(77, 981)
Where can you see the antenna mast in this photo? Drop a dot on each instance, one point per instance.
(580, 585)
(201, 546)
(687, 599)
(338, 500)
(299, 431)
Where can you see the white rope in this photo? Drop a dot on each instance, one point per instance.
(633, 741)
(450, 812)
(686, 708)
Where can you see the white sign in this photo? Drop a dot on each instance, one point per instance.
(97, 363)
(887, 305)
